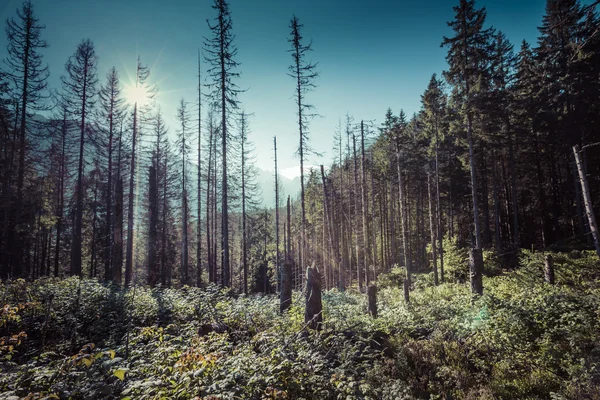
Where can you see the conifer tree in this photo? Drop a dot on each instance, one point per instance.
(220, 54)
(28, 75)
(184, 148)
(111, 112)
(304, 74)
(80, 85)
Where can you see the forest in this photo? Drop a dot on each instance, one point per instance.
(449, 254)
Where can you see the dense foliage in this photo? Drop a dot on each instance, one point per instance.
(523, 339)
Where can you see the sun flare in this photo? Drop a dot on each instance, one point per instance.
(137, 95)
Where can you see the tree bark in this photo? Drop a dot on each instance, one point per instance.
(476, 270)
(313, 316)
(549, 269)
(587, 199)
(432, 230)
(285, 295)
(372, 296)
(152, 231)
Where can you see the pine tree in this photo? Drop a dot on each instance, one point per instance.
(249, 187)
(467, 58)
(304, 74)
(221, 53)
(143, 95)
(111, 113)
(80, 85)
(199, 183)
(184, 148)
(28, 74)
(433, 118)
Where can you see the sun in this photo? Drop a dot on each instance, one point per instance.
(137, 95)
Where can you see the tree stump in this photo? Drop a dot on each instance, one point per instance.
(476, 270)
(313, 314)
(372, 296)
(407, 290)
(549, 269)
(285, 295)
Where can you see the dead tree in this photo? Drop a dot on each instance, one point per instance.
(549, 269)
(476, 270)
(277, 268)
(432, 229)
(285, 295)
(153, 228)
(372, 296)
(313, 314)
(587, 199)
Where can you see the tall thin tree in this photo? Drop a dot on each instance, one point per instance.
(221, 54)
(304, 74)
(28, 74)
(80, 84)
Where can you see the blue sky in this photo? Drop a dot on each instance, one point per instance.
(372, 54)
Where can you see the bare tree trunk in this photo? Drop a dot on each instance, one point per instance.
(549, 269)
(285, 296)
(209, 237)
(432, 230)
(152, 231)
(244, 232)
(365, 204)
(313, 313)
(129, 253)
(93, 241)
(117, 263)
(403, 217)
(373, 238)
(513, 183)
(199, 192)
(333, 236)
(359, 246)
(474, 196)
(487, 234)
(587, 199)
(277, 258)
(476, 270)
(76, 246)
(497, 229)
(61, 193)
(372, 296)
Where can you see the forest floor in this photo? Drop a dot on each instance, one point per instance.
(523, 339)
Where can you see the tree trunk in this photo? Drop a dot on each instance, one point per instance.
(285, 295)
(199, 193)
(432, 230)
(76, 246)
(476, 270)
(365, 204)
(587, 200)
(403, 217)
(129, 254)
(333, 235)
(372, 296)
(549, 269)
(152, 229)
(313, 313)
(117, 263)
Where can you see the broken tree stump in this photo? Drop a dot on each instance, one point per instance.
(285, 295)
(476, 270)
(407, 290)
(549, 269)
(372, 296)
(313, 316)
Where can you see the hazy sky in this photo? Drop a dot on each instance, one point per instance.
(371, 54)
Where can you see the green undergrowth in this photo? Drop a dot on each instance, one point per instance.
(524, 339)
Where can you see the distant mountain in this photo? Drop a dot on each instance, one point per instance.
(266, 182)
